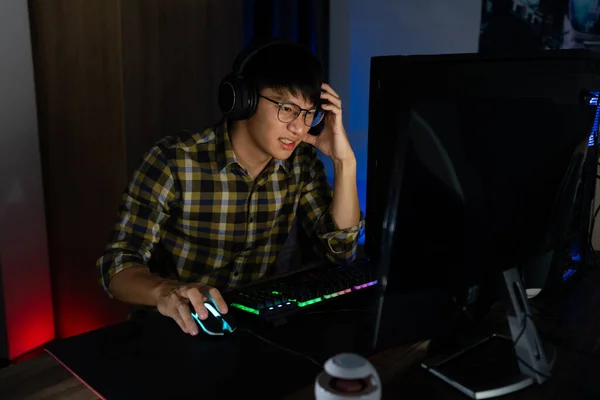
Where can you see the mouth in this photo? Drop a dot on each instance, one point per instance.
(287, 143)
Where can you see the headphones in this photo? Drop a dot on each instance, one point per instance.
(238, 98)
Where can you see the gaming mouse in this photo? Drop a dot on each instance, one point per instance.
(215, 324)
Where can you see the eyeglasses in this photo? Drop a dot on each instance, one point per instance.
(288, 112)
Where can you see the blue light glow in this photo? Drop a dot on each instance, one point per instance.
(576, 251)
(248, 21)
(201, 324)
(594, 133)
(568, 274)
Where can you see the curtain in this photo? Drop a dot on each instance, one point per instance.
(302, 21)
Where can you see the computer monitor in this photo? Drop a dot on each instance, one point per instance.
(473, 165)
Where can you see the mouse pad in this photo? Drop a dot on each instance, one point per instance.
(151, 358)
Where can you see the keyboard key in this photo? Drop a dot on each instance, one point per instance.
(306, 288)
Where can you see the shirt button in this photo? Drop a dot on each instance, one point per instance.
(251, 219)
(236, 273)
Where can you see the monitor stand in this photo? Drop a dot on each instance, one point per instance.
(498, 365)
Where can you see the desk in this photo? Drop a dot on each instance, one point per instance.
(44, 378)
(39, 378)
(577, 326)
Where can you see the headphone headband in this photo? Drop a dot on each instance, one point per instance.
(242, 60)
(238, 98)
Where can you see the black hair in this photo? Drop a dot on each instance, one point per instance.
(286, 66)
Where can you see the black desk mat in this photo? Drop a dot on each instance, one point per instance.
(150, 358)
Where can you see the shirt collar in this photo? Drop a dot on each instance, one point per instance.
(284, 164)
(226, 156)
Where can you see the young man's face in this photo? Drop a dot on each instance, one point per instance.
(271, 136)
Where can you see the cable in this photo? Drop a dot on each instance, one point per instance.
(575, 351)
(592, 226)
(593, 222)
(280, 347)
(543, 312)
(516, 341)
(584, 388)
(590, 237)
(589, 391)
(296, 353)
(524, 327)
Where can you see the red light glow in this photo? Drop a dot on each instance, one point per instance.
(26, 284)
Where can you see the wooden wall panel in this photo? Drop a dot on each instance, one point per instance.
(174, 55)
(226, 22)
(77, 57)
(113, 76)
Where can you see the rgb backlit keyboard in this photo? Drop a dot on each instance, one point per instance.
(295, 292)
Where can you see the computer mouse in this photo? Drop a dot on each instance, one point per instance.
(215, 324)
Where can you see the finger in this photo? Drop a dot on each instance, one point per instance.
(177, 318)
(218, 300)
(185, 314)
(332, 108)
(331, 98)
(197, 300)
(328, 88)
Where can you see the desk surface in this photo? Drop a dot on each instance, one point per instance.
(569, 318)
(151, 357)
(45, 378)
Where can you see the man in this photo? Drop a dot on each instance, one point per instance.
(221, 203)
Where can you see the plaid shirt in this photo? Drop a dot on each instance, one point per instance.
(216, 223)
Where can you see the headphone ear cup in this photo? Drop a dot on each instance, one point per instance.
(251, 99)
(317, 129)
(227, 95)
(237, 99)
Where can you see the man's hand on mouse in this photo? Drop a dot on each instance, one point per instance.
(177, 302)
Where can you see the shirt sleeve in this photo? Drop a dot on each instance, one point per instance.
(145, 207)
(339, 245)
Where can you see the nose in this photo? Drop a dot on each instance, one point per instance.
(298, 127)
